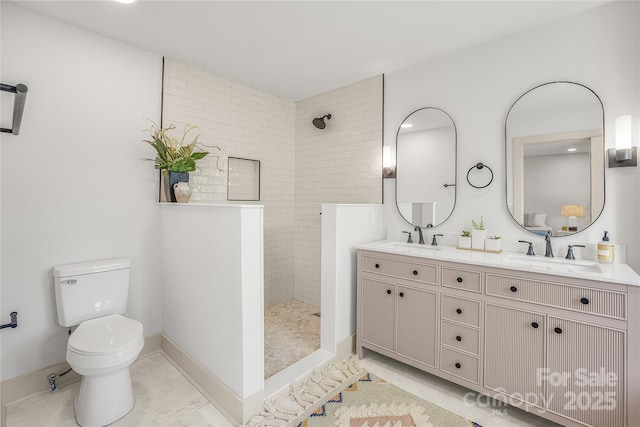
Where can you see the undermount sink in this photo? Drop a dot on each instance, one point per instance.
(554, 264)
(413, 248)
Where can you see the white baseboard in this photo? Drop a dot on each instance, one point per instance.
(17, 389)
(232, 406)
(346, 347)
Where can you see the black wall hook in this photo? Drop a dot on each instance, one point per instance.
(14, 321)
(20, 92)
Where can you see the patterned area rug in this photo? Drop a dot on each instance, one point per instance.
(341, 394)
(372, 402)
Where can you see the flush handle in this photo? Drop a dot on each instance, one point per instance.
(69, 282)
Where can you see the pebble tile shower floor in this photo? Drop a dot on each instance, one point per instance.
(291, 332)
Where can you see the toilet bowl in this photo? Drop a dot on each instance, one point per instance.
(93, 297)
(102, 350)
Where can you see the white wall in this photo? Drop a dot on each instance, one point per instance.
(212, 289)
(343, 228)
(73, 187)
(477, 86)
(339, 164)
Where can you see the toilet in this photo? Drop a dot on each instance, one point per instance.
(93, 297)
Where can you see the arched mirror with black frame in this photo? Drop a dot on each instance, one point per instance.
(554, 146)
(426, 152)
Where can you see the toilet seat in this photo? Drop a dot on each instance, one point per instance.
(104, 345)
(105, 335)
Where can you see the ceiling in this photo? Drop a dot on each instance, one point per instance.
(296, 49)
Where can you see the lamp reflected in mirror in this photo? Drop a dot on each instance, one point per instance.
(572, 212)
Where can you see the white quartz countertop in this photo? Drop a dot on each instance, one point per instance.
(558, 266)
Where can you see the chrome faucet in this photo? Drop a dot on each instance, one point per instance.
(420, 236)
(549, 249)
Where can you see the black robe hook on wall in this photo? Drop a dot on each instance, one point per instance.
(20, 92)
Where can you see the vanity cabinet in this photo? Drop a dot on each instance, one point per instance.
(592, 359)
(514, 352)
(562, 347)
(399, 309)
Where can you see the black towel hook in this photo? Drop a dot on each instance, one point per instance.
(14, 321)
(20, 92)
(479, 166)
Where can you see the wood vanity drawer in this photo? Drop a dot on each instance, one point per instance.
(461, 279)
(461, 310)
(587, 300)
(460, 337)
(459, 364)
(405, 270)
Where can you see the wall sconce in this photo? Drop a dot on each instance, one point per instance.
(572, 212)
(388, 165)
(624, 154)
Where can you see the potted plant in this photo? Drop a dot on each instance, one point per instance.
(464, 240)
(175, 158)
(492, 243)
(478, 234)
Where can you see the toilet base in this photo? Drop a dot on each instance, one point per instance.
(104, 399)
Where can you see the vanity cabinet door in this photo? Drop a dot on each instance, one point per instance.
(416, 325)
(586, 375)
(378, 313)
(514, 351)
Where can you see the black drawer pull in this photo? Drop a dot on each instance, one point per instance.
(388, 291)
(584, 300)
(415, 272)
(534, 325)
(557, 330)
(458, 338)
(513, 289)
(377, 265)
(459, 310)
(457, 365)
(401, 294)
(459, 279)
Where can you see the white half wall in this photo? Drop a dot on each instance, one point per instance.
(598, 48)
(73, 186)
(343, 228)
(212, 289)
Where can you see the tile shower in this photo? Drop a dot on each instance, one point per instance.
(301, 168)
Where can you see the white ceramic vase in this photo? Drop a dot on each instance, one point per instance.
(477, 238)
(492, 245)
(464, 242)
(182, 191)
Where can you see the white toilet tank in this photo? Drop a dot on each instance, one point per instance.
(91, 289)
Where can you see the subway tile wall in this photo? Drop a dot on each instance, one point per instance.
(339, 164)
(301, 166)
(247, 123)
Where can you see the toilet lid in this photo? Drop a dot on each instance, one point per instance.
(108, 334)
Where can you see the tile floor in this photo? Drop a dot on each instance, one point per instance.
(291, 332)
(448, 395)
(163, 398)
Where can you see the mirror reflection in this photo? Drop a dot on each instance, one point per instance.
(555, 158)
(426, 167)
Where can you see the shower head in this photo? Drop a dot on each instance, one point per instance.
(319, 121)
